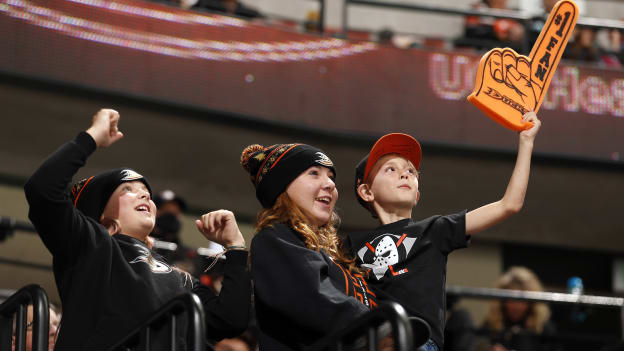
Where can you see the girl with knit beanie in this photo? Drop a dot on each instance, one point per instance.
(305, 287)
(108, 278)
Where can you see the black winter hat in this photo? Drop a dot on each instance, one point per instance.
(273, 168)
(91, 195)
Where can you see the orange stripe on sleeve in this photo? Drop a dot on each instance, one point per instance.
(81, 189)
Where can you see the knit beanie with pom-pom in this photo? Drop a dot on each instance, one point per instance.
(273, 168)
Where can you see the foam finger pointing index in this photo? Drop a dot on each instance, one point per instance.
(551, 42)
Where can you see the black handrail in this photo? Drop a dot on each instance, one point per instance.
(16, 307)
(367, 326)
(170, 313)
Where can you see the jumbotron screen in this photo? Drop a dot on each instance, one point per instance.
(226, 64)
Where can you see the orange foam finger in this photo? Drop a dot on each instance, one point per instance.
(508, 85)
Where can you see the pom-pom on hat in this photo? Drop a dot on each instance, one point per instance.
(91, 195)
(394, 143)
(273, 168)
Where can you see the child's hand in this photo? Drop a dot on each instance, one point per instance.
(220, 226)
(529, 134)
(104, 129)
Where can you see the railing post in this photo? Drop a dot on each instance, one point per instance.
(345, 25)
(196, 332)
(16, 306)
(321, 20)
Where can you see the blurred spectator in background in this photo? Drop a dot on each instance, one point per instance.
(485, 33)
(385, 36)
(459, 333)
(514, 324)
(169, 211)
(583, 46)
(55, 321)
(229, 7)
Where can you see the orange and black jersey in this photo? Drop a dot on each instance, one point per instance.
(301, 294)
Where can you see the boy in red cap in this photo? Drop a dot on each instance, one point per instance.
(406, 260)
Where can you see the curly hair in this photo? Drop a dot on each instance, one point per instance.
(323, 237)
(519, 278)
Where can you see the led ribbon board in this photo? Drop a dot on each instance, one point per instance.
(508, 85)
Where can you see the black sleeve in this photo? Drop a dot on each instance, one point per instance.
(449, 232)
(292, 281)
(63, 229)
(227, 314)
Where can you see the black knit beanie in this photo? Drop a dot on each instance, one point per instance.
(273, 168)
(91, 195)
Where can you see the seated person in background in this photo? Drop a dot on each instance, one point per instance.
(170, 209)
(585, 47)
(459, 331)
(55, 321)
(486, 33)
(229, 7)
(582, 46)
(514, 324)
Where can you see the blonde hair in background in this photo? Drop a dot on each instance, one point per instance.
(519, 278)
(316, 238)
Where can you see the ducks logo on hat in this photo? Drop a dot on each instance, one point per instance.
(324, 160)
(129, 175)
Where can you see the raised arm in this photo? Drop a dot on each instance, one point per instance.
(486, 216)
(227, 314)
(61, 227)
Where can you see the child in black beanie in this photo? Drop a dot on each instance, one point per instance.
(108, 278)
(304, 286)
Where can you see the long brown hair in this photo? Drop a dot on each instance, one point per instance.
(316, 238)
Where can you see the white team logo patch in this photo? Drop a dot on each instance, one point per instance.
(323, 159)
(129, 175)
(386, 250)
(155, 265)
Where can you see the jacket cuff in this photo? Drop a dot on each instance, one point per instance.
(237, 257)
(85, 142)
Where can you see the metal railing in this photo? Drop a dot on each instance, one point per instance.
(16, 307)
(540, 296)
(168, 318)
(367, 326)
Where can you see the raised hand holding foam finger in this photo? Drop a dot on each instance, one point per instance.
(509, 85)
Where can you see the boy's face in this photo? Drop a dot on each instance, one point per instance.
(132, 206)
(394, 182)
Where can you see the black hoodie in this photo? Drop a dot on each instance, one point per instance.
(301, 295)
(108, 284)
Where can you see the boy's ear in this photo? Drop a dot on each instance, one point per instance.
(364, 191)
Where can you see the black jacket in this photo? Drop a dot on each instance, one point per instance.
(106, 283)
(301, 294)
